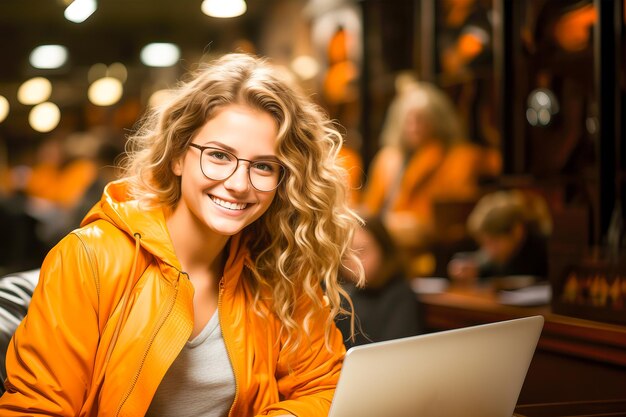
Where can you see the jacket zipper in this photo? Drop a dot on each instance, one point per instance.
(228, 352)
(145, 355)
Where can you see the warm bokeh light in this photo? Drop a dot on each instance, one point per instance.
(224, 8)
(105, 91)
(79, 10)
(160, 54)
(48, 56)
(44, 117)
(117, 70)
(97, 71)
(159, 97)
(4, 108)
(572, 31)
(306, 67)
(34, 91)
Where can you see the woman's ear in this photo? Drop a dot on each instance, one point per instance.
(177, 166)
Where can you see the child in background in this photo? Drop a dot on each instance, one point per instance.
(386, 307)
(511, 228)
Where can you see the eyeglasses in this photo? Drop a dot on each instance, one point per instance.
(217, 164)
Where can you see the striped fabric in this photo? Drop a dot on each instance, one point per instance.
(16, 290)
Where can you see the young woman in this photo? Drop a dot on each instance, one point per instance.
(425, 158)
(194, 288)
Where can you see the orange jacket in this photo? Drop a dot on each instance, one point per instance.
(383, 189)
(432, 174)
(85, 349)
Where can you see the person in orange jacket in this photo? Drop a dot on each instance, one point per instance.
(205, 281)
(425, 158)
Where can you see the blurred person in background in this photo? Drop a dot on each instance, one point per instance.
(67, 167)
(386, 307)
(64, 169)
(48, 198)
(104, 156)
(425, 157)
(26, 249)
(512, 230)
(21, 248)
(194, 286)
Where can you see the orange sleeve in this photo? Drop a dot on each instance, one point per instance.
(420, 171)
(308, 384)
(374, 193)
(50, 358)
(381, 175)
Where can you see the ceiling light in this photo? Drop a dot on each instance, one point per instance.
(79, 10)
(4, 108)
(34, 91)
(160, 54)
(223, 8)
(105, 91)
(44, 117)
(48, 56)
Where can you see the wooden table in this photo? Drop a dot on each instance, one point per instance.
(577, 361)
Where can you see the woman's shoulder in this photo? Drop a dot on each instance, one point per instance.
(111, 252)
(103, 235)
(388, 157)
(390, 151)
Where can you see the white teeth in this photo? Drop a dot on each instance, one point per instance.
(229, 205)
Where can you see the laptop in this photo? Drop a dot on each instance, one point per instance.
(471, 372)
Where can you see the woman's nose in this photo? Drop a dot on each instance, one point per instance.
(239, 180)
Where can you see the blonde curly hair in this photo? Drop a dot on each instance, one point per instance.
(430, 100)
(298, 245)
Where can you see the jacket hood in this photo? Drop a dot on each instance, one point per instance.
(116, 206)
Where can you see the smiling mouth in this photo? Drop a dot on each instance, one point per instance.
(228, 205)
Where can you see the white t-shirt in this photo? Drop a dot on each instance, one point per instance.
(200, 382)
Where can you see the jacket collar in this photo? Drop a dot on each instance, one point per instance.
(117, 207)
